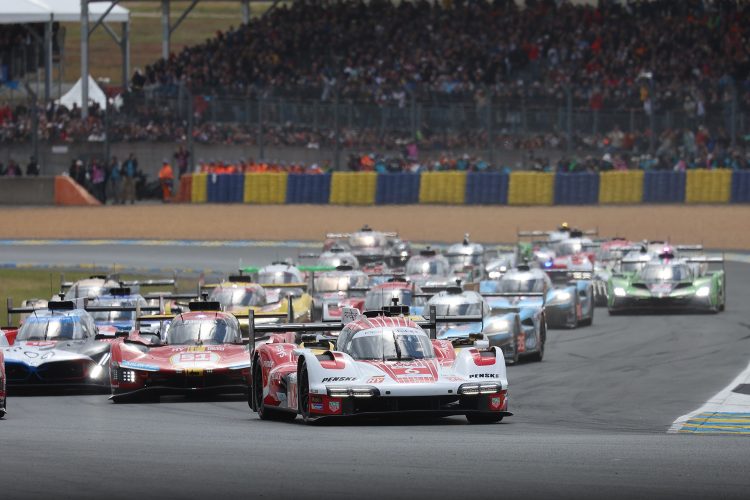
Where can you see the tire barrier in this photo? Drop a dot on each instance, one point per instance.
(397, 189)
(308, 188)
(472, 188)
(531, 188)
(580, 188)
(487, 188)
(442, 187)
(199, 188)
(708, 186)
(621, 187)
(741, 186)
(663, 187)
(353, 188)
(266, 188)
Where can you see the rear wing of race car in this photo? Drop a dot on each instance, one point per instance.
(514, 295)
(260, 331)
(65, 285)
(708, 260)
(560, 276)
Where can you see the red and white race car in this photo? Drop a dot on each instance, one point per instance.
(382, 363)
(3, 393)
(201, 352)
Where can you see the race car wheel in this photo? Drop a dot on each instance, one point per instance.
(265, 413)
(483, 418)
(303, 391)
(3, 407)
(539, 355)
(513, 360)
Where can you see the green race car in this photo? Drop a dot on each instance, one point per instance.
(669, 285)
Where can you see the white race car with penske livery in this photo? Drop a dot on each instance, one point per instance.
(381, 363)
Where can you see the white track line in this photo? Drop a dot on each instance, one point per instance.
(725, 401)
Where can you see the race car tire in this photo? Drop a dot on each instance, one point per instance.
(3, 407)
(303, 392)
(513, 359)
(539, 355)
(478, 419)
(265, 413)
(587, 321)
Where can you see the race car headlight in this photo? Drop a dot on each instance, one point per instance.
(364, 391)
(619, 292)
(703, 291)
(500, 325)
(127, 376)
(497, 274)
(474, 389)
(96, 372)
(560, 297)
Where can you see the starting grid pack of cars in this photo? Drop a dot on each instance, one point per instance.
(367, 327)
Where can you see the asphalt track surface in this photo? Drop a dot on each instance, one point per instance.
(590, 422)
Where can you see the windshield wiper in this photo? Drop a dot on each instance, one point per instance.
(398, 348)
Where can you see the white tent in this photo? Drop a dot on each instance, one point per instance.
(24, 11)
(74, 95)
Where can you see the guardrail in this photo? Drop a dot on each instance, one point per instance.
(470, 188)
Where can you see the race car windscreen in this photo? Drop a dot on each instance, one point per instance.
(426, 267)
(51, 328)
(77, 292)
(512, 285)
(112, 316)
(203, 331)
(653, 274)
(465, 309)
(367, 241)
(376, 300)
(325, 284)
(465, 260)
(568, 248)
(231, 297)
(396, 344)
(279, 277)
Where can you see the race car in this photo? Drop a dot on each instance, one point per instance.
(100, 284)
(383, 363)
(237, 294)
(3, 392)
(333, 257)
(569, 297)
(500, 327)
(669, 284)
(466, 260)
(202, 352)
(499, 262)
(607, 255)
(368, 246)
(59, 346)
(332, 286)
(117, 309)
(383, 295)
(430, 270)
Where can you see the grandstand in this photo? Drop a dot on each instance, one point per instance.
(656, 84)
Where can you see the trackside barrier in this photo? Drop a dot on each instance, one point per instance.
(708, 186)
(308, 188)
(199, 189)
(266, 188)
(184, 194)
(663, 187)
(397, 189)
(621, 187)
(486, 188)
(353, 188)
(741, 186)
(442, 187)
(531, 188)
(579, 188)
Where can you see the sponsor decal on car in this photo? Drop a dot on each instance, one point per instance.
(483, 375)
(338, 379)
(139, 366)
(334, 406)
(376, 380)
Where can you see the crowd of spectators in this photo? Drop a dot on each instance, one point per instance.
(383, 50)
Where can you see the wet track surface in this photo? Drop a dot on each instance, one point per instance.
(590, 421)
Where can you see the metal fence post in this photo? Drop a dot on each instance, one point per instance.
(261, 153)
(337, 157)
(190, 126)
(569, 118)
